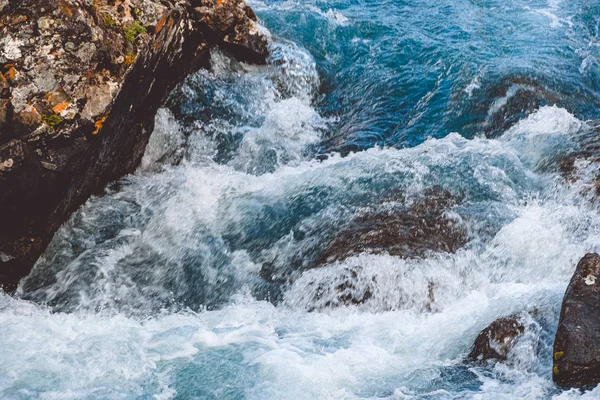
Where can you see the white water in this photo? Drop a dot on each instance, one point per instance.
(122, 268)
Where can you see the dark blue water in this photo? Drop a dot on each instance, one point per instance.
(202, 275)
(398, 72)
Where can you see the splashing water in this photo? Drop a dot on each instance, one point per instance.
(217, 270)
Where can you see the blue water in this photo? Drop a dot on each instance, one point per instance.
(398, 72)
(199, 277)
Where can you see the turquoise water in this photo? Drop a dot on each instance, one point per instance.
(198, 277)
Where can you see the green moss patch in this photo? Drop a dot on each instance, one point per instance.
(132, 31)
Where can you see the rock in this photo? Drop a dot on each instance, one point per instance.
(497, 340)
(406, 232)
(350, 287)
(586, 151)
(502, 102)
(73, 121)
(394, 228)
(86, 52)
(44, 23)
(577, 341)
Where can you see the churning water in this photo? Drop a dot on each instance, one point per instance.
(202, 277)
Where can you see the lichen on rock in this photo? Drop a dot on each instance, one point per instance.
(80, 82)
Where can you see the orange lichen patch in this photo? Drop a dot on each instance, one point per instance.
(98, 125)
(55, 98)
(129, 59)
(161, 24)
(66, 10)
(18, 19)
(220, 2)
(11, 74)
(60, 108)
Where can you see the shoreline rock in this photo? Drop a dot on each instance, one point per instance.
(81, 84)
(577, 341)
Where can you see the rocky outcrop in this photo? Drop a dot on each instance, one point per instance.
(497, 340)
(577, 341)
(409, 233)
(81, 82)
(415, 230)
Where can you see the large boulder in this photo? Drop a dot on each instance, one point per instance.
(80, 84)
(577, 341)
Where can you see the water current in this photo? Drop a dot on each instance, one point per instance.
(231, 264)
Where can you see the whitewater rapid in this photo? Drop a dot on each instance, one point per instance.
(155, 289)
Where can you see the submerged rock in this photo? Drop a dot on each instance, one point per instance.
(80, 84)
(577, 341)
(334, 275)
(497, 340)
(368, 283)
(411, 232)
(587, 152)
(501, 102)
(349, 287)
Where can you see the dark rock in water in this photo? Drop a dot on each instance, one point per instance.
(80, 85)
(504, 101)
(409, 232)
(351, 288)
(588, 150)
(497, 340)
(577, 341)
(392, 228)
(515, 98)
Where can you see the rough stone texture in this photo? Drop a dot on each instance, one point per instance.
(351, 288)
(81, 82)
(392, 227)
(523, 95)
(577, 341)
(588, 151)
(409, 233)
(497, 340)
